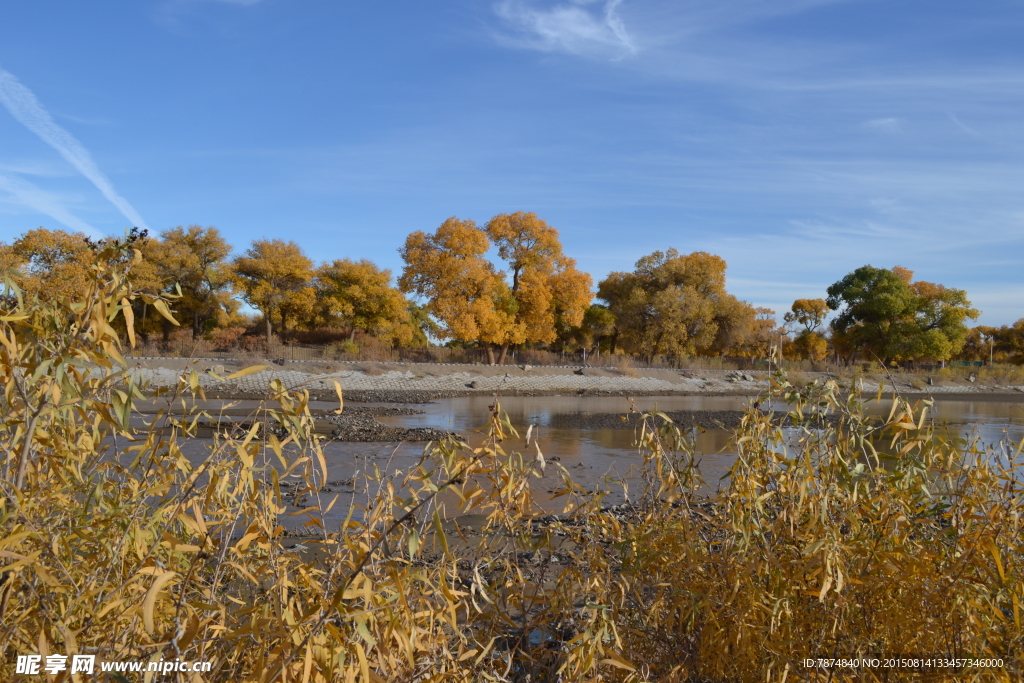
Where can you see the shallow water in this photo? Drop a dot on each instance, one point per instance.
(595, 457)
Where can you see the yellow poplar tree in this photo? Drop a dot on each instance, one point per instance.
(53, 263)
(465, 294)
(470, 296)
(809, 314)
(547, 289)
(274, 276)
(359, 295)
(194, 259)
(677, 304)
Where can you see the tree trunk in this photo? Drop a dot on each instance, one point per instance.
(352, 335)
(266, 317)
(490, 354)
(504, 351)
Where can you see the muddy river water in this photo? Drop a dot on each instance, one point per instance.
(594, 457)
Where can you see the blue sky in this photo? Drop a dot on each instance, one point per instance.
(798, 139)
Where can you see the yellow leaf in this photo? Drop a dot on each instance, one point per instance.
(149, 604)
(364, 667)
(162, 309)
(129, 320)
(341, 399)
(617, 661)
(995, 556)
(248, 371)
(13, 555)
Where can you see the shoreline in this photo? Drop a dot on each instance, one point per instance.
(372, 382)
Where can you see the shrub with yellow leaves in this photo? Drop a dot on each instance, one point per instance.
(833, 536)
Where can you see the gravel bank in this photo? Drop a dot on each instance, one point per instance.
(358, 423)
(686, 419)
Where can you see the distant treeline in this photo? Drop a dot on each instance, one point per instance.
(531, 297)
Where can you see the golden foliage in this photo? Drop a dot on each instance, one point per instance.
(273, 276)
(472, 299)
(52, 263)
(194, 260)
(359, 295)
(465, 294)
(548, 289)
(676, 304)
(833, 536)
(808, 313)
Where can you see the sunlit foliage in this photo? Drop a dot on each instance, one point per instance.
(1003, 344)
(676, 304)
(194, 261)
(808, 316)
(274, 277)
(358, 295)
(51, 263)
(883, 315)
(470, 296)
(834, 535)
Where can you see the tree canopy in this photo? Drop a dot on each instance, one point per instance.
(471, 297)
(809, 315)
(676, 304)
(53, 263)
(193, 259)
(883, 314)
(508, 283)
(274, 277)
(359, 295)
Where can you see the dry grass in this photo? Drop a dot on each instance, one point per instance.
(1003, 375)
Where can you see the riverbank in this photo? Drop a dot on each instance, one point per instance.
(371, 382)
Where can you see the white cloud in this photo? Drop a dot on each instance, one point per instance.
(886, 125)
(571, 27)
(26, 194)
(23, 106)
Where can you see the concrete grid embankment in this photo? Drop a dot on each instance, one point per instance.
(423, 381)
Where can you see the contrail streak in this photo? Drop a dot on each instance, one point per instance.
(29, 195)
(24, 107)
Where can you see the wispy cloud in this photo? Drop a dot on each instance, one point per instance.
(889, 124)
(574, 27)
(26, 194)
(23, 106)
(963, 126)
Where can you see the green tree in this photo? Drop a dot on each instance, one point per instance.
(883, 314)
(274, 276)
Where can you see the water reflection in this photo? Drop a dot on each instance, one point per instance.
(590, 454)
(596, 457)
